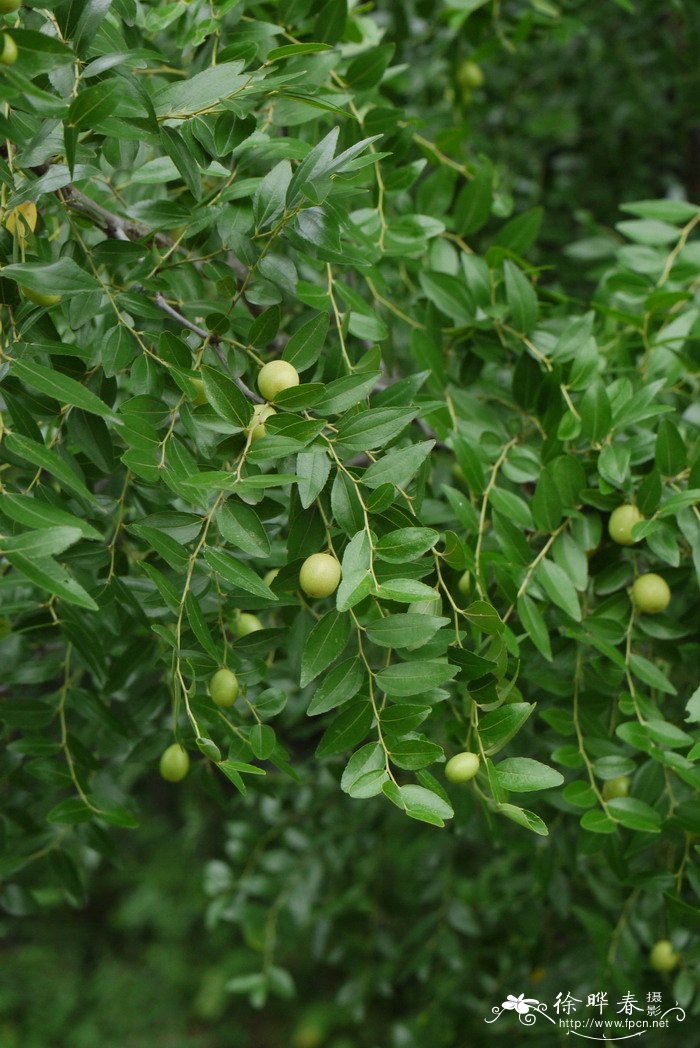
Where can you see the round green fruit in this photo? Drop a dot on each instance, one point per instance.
(270, 576)
(320, 574)
(618, 787)
(8, 6)
(223, 687)
(39, 298)
(470, 75)
(245, 623)
(307, 1035)
(621, 522)
(174, 763)
(465, 584)
(256, 426)
(663, 957)
(200, 396)
(275, 377)
(650, 593)
(462, 767)
(8, 55)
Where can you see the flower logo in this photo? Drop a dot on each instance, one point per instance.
(520, 1004)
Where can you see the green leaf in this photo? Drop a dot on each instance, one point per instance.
(546, 502)
(559, 588)
(270, 197)
(262, 741)
(356, 580)
(649, 673)
(240, 525)
(484, 616)
(51, 461)
(596, 414)
(226, 398)
(692, 707)
(670, 452)
(525, 818)
(291, 50)
(64, 277)
(679, 211)
(368, 68)
(34, 512)
(349, 727)
(406, 591)
(38, 544)
(475, 201)
(324, 644)
(499, 726)
(398, 466)
(373, 428)
(238, 573)
(413, 752)
(313, 469)
(200, 627)
(365, 773)
(635, 814)
(182, 158)
(409, 630)
(305, 345)
(532, 620)
(419, 803)
(46, 573)
(406, 544)
(521, 297)
(200, 92)
(60, 387)
(89, 108)
(522, 774)
(337, 687)
(413, 678)
(344, 393)
(597, 822)
(451, 296)
(70, 811)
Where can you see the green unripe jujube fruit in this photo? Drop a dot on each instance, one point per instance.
(320, 574)
(270, 576)
(261, 412)
(650, 593)
(462, 767)
(307, 1035)
(200, 396)
(663, 957)
(618, 787)
(39, 297)
(8, 6)
(174, 763)
(465, 584)
(8, 55)
(621, 522)
(470, 75)
(245, 623)
(275, 377)
(223, 687)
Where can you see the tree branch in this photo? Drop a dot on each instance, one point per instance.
(161, 302)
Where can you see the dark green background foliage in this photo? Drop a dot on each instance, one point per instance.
(490, 295)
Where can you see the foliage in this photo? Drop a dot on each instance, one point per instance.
(207, 188)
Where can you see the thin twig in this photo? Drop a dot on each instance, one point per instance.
(161, 302)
